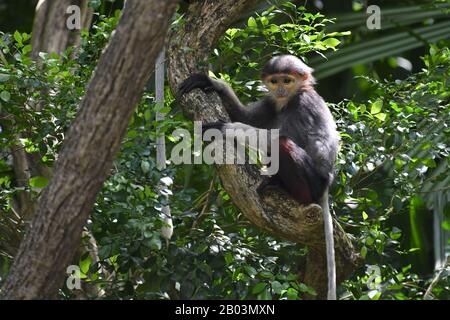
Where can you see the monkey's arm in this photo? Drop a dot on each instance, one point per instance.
(243, 133)
(235, 109)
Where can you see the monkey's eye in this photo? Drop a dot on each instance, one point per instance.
(287, 80)
(274, 81)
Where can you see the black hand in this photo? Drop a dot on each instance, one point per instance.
(195, 81)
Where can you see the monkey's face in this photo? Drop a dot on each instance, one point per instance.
(282, 86)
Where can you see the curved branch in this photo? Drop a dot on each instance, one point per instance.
(275, 211)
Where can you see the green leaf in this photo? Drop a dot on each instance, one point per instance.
(276, 287)
(38, 182)
(291, 277)
(145, 166)
(25, 36)
(250, 270)
(148, 234)
(201, 248)
(231, 32)
(264, 21)
(376, 107)
(364, 251)
(266, 274)
(395, 234)
(27, 49)
(357, 6)
(381, 116)
(446, 225)
(304, 288)
(85, 264)
(265, 295)
(274, 28)
(259, 287)
(429, 162)
(228, 258)
(292, 294)
(319, 46)
(433, 50)
(155, 244)
(18, 37)
(5, 96)
(331, 42)
(105, 251)
(374, 294)
(252, 22)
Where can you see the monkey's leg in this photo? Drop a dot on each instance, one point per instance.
(297, 173)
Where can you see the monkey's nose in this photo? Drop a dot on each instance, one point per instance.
(281, 94)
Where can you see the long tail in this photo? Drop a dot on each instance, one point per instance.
(329, 241)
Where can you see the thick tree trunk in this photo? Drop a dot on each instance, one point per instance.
(275, 212)
(88, 150)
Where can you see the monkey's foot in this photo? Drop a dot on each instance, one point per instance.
(312, 212)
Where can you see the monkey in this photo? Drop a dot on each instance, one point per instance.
(308, 137)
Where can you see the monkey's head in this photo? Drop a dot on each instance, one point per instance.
(285, 75)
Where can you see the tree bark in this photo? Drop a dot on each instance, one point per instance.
(50, 32)
(275, 212)
(88, 150)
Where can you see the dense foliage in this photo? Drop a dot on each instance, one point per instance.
(393, 164)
